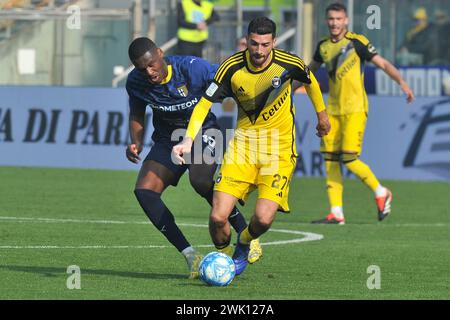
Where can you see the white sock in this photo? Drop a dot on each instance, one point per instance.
(188, 251)
(380, 191)
(338, 212)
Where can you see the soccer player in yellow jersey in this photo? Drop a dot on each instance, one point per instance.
(344, 54)
(262, 154)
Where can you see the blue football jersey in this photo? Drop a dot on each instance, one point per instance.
(172, 103)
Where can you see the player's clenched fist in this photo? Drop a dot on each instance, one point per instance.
(180, 149)
(323, 124)
(132, 152)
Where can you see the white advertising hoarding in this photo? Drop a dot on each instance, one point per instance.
(88, 128)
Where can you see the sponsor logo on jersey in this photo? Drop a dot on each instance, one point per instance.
(175, 107)
(266, 115)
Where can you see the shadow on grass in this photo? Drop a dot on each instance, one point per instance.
(57, 271)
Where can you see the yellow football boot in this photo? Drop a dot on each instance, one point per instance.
(255, 252)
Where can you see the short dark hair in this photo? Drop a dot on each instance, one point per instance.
(139, 47)
(262, 25)
(336, 6)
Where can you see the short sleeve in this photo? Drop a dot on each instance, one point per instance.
(366, 51)
(215, 91)
(302, 74)
(202, 71)
(220, 86)
(317, 57)
(134, 101)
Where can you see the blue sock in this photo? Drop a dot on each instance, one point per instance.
(161, 217)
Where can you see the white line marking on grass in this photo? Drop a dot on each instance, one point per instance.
(307, 236)
(418, 224)
(53, 220)
(56, 220)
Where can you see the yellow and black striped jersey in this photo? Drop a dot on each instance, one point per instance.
(263, 95)
(344, 61)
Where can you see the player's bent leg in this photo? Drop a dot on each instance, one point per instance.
(154, 176)
(201, 178)
(255, 252)
(219, 227)
(265, 213)
(335, 189)
(383, 196)
(259, 224)
(152, 181)
(331, 146)
(164, 221)
(360, 169)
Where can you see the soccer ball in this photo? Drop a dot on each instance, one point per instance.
(217, 269)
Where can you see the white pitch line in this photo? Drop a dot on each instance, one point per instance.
(418, 225)
(56, 220)
(53, 220)
(307, 236)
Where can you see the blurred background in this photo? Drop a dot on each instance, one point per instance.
(64, 64)
(95, 53)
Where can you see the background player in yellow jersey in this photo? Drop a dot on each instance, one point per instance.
(262, 153)
(344, 54)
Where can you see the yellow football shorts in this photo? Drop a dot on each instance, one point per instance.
(346, 134)
(239, 175)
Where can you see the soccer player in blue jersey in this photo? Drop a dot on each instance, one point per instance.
(171, 86)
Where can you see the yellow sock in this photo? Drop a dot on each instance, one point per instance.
(228, 250)
(362, 170)
(335, 186)
(245, 237)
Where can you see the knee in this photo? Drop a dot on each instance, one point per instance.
(218, 218)
(331, 157)
(348, 158)
(151, 203)
(264, 222)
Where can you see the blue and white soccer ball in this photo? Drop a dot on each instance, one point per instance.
(217, 269)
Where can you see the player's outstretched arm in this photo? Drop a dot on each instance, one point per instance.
(315, 95)
(195, 124)
(136, 125)
(395, 75)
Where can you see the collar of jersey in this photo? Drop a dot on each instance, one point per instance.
(344, 37)
(251, 68)
(169, 75)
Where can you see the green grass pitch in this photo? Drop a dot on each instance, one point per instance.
(53, 218)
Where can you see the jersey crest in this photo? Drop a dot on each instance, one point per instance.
(183, 91)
